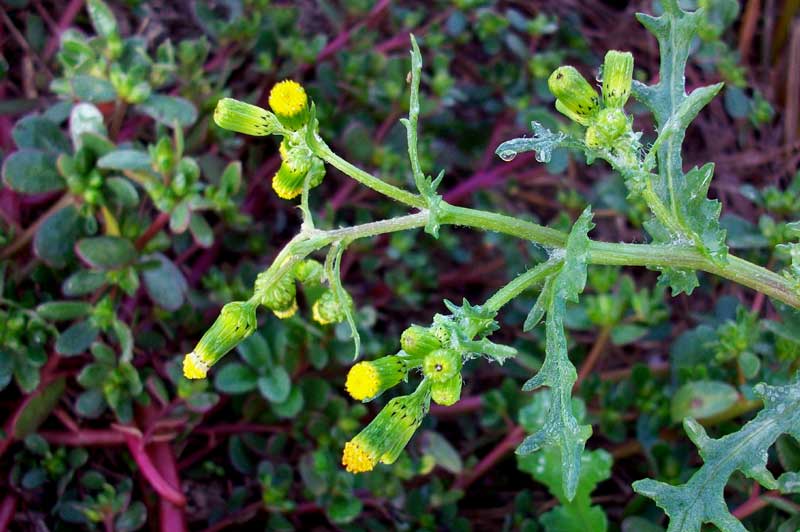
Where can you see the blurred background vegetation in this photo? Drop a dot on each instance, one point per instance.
(126, 221)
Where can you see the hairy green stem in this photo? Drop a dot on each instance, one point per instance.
(521, 283)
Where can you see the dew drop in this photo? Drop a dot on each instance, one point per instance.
(507, 155)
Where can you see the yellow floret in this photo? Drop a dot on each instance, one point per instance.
(356, 459)
(288, 98)
(193, 367)
(288, 313)
(362, 381)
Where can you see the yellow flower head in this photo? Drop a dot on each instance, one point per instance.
(362, 381)
(193, 367)
(288, 183)
(368, 379)
(236, 321)
(387, 435)
(328, 309)
(246, 118)
(289, 101)
(358, 459)
(286, 313)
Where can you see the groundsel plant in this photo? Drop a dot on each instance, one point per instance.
(685, 234)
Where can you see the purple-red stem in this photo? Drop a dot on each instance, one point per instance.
(172, 516)
(7, 510)
(84, 437)
(69, 14)
(508, 443)
(151, 472)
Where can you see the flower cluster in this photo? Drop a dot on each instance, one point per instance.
(237, 320)
(605, 120)
(427, 349)
(290, 105)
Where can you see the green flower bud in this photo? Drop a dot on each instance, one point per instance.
(245, 118)
(607, 127)
(368, 379)
(575, 97)
(448, 392)
(280, 297)
(442, 334)
(163, 156)
(328, 309)
(309, 271)
(236, 321)
(387, 435)
(441, 364)
(617, 76)
(419, 341)
(288, 183)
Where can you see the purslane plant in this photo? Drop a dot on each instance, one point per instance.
(686, 238)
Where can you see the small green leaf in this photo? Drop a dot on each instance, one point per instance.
(256, 351)
(32, 172)
(236, 378)
(54, 241)
(125, 159)
(85, 88)
(626, 333)
(86, 126)
(83, 282)
(121, 191)
(90, 404)
(344, 509)
(106, 252)
(275, 384)
(292, 406)
(102, 18)
(77, 338)
(543, 143)
(702, 399)
(168, 110)
(38, 408)
(131, 519)
(39, 133)
(165, 284)
(201, 231)
(63, 310)
(445, 455)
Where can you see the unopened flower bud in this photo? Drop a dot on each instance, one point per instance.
(236, 321)
(280, 297)
(617, 77)
(329, 309)
(387, 435)
(608, 126)
(441, 364)
(419, 341)
(309, 271)
(575, 97)
(245, 118)
(448, 392)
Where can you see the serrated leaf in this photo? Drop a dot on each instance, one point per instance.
(701, 499)
(561, 428)
(539, 308)
(577, 514)
(543, 142)
(693, 217)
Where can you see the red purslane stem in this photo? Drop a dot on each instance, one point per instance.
(151, 471)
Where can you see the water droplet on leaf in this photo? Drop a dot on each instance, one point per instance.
(507, 155)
